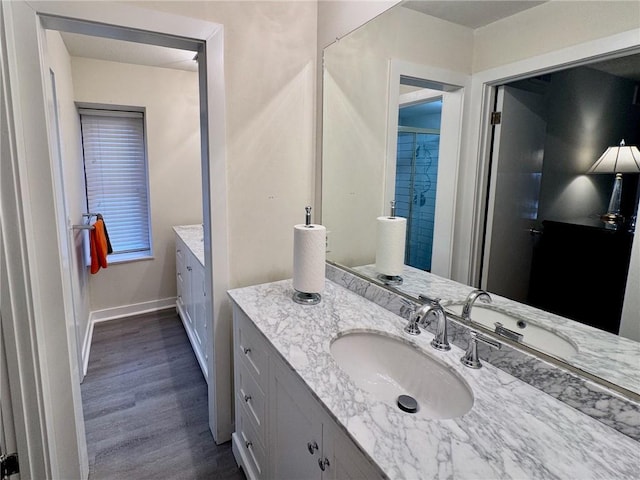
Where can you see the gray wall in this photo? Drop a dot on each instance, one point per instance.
(588, 111)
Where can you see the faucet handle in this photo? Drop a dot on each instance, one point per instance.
(425, 299)
(412, 327)
(410, 306)
(470, 358)
(487, 341)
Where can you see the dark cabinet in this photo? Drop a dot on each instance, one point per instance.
(579, 271)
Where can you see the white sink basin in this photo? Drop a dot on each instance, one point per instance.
(387, 367)
(532, 335)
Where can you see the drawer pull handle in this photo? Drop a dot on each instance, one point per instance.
(246, 351)
(312, 447)
(323, 463)
(248, 444)
(247, 398)
(189, 268)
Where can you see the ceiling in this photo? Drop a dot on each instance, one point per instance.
(626, 67)
(473, 14)
(128, 52)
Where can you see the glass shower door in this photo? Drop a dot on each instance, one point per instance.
(416, 180)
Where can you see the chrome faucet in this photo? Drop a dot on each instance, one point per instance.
(423, 316)
(471, 299)
(470, 358)
(440, 341)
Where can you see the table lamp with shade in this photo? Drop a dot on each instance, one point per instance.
(618, 159)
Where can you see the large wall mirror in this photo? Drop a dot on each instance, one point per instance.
(396, 111)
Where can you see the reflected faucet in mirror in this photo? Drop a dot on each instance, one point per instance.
(471, 299)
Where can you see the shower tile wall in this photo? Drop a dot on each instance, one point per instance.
(416, 177)
(403, 173)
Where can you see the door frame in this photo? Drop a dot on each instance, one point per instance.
(454, 85)
(473, 184)
(55, 440)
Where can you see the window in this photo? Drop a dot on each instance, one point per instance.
(115, 166)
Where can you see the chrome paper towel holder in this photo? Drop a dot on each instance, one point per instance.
(307, 298)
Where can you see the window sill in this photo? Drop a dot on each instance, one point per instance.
(119, 258)
(129, 257)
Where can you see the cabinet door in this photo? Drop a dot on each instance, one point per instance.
(181, 270)
(296, 430)
(346, 461)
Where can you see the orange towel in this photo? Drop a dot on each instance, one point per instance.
(98, 246)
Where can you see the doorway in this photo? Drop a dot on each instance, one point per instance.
(417, 177)
(134, 154)
(411, 85)
(52, 347)
(543, 227)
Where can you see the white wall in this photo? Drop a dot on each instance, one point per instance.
(73, 173)
(172, 123)
(356, 83)
(270, 61)
(337, 19)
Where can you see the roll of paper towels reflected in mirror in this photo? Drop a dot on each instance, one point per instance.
(309, 254)
(390, 243)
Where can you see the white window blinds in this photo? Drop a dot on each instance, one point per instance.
(116, 176)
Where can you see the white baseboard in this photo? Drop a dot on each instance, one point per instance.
(115, 313)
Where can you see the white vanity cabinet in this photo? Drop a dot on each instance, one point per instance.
(282, 431)
(190, 302)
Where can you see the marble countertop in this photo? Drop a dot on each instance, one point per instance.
(193, 237)
(603, 354)
(512, 431)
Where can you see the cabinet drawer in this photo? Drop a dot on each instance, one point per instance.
(251, 444)
(253, 398)
(251, 349)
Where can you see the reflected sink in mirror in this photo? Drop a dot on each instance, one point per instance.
(388, 367)
(533, 335)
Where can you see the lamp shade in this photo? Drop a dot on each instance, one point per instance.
(619, 159)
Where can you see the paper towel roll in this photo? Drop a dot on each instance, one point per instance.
(391, 234)
(309, 253)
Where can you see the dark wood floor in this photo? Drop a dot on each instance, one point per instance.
(145, 405)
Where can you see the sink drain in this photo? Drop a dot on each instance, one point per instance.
(407, 403)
